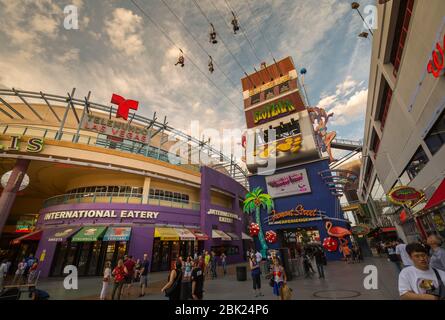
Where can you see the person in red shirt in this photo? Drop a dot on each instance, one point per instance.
(130, 264)
(119, 273)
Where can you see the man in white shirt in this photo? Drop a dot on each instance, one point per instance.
(419, 281)
(403, 255)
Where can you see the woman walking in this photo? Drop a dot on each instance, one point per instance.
(19, 272)
(188, 268)
(223, 263)
(255, 272)
(279, 278)
(119, 273)
(172, 289)
(106, 281)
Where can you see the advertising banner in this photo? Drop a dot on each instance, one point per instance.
(287, 184)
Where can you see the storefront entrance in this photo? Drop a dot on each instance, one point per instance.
(166, 252)
(296, 239)
(89, 257)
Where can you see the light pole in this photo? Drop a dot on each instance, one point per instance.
(356, 6)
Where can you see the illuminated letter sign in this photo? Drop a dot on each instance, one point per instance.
(124, 106)
(436, 64)
(273, 110)
(404, 195)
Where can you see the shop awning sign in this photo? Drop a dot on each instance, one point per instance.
(185, 234)
(218, 234)
(234, 236)
(404, 195)
(117, 234)
(166, 234)
(200, 236)
(89, 234)
(60, 235)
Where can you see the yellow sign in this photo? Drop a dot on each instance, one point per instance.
(34, 145)
(269, 85)
(273, 110)
(42, 255)
(292, 145)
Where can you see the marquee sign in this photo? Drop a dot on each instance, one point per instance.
(272, 111)
(436, 65)
(404, 195)
(100, 214)
(114, 128)
(34, 145)
(289, 183)
(297, 215)
(223, 216)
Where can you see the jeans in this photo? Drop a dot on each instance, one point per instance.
(320, 270)
(224, 267)
(117, 286)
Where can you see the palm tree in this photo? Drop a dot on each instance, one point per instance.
(255, 200)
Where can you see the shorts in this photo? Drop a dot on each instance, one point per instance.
(277, 288)
(144, 281)
(187, 274)
(256, 279)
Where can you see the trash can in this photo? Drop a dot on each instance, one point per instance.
(241, 273)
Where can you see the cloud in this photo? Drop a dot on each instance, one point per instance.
(69, 56)
(350, 110)
(125, 32)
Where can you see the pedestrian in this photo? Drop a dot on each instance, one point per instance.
(255, 272)
(197, 281)
(223, 263)
(129, 264)
(19, 272)
(392, 255)
(137, 271)
(32, 275)
(420, 281)
(3, 270)
(346, 252)
(402, 254)
(279, 278)
(258, 256)
(29, 262)
(207, 263)
(144, 274)
(437, 253)
(319, 261)
(106, 281)
(308, 270)
(172, 289)
(213, 264)
(119, 273)
(188, 268)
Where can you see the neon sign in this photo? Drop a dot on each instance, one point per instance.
(437, 63)
(124, 106)
(299, 214)
(272, 111)
(404, 195)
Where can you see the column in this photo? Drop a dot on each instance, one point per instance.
(146, 190)
(9, 193)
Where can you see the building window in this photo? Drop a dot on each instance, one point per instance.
(269, 93)
(401, 31)
(417, 163)
(255, 98)
(284, 87)
(382, 111)
(375, 143)
(436, 137)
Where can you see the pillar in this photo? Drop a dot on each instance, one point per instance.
(146, 190)
(9, 193)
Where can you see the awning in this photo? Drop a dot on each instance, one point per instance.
(218, 234)
(234, 236)
(245, 236)
(61, 234)
(33, 236)
(185, 234)
(199, 235)
(437, 198)
(166, 234)
(89, 234)
(117, 234)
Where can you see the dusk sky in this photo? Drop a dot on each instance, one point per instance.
(117, 49)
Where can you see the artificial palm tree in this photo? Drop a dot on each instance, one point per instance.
(255, 200)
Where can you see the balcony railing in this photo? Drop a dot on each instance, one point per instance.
(125, 146)
(130, 198)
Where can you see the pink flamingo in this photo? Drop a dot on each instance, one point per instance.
(338, 232)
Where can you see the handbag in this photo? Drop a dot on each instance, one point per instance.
(287, 292)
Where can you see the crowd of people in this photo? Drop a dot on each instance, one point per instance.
(25, 274)
(421, 267)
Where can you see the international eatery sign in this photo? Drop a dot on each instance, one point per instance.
(289, 183)
(100, 214)
(223, 216)
(404, 195)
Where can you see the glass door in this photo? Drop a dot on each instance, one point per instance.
(156, 256)
(59, 258)
(83, 258)
(94, 258)
(165, 254)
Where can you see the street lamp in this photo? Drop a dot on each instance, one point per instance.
(355, 6)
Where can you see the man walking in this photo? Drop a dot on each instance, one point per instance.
(319, 261)
(144, 274)
(197, 281)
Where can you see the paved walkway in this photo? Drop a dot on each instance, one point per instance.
(343, 281)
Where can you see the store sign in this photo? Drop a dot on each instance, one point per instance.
(436, 65)
(269, 85)
(223, 216)
(404, 195)
(114, 128)
(33, 145)
(438, 221)
(101, 214)
(361, 229)
(289, 183)
(272, 111)
(297, 215)
(124, 105)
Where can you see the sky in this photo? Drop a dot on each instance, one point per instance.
(117, 49)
